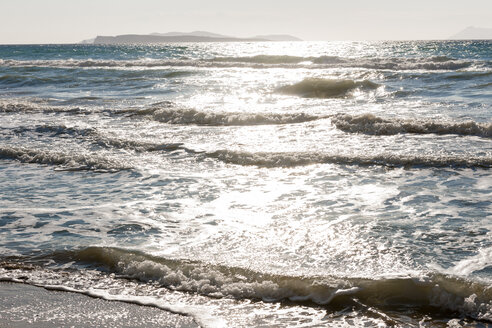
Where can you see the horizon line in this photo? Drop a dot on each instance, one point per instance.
(332, 40)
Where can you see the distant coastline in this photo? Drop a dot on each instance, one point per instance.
(473, 33)
(197, 36)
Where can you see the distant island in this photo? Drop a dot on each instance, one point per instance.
(196, 36)
(473, 33)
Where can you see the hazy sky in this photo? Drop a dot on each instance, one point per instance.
(62, 21)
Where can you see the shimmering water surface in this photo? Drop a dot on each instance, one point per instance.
(254, 184)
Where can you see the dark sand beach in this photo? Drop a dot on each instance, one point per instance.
(23, 305)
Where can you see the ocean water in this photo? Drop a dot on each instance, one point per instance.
(268, 184)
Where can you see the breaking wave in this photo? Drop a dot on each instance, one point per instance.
(397, 64)
(264, 61)
(166, 112)
(170, 115)
(95, 137)
(371, 124)
(56, 130)
(138, 146)
(426, 292)
(292, 159)
(19, 106)
(467, 75)
(66, 161)
(326, 88)
(95, 63)
(433, 63)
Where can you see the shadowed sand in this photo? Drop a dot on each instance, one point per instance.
(28, 306)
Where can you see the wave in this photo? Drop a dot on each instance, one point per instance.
(27, 80)
(285, 59)
(177, 74)
(113, 64)
(265, 61)
(193, 116)
(139, 146)
(451, 293)
(427, 63)
(483, 86)
(293, 159)
(56, 130)
(371, 124)
(326, 88)
(87, 63)
(167, 112)
(50, 280)
(66, 161)
(19, 106)
(95, 137)
(426, 292)
(467, 75)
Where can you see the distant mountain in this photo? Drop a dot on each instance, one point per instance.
(194, 33)
(473, 33)
(88, 41)
(196, 36)
(145, 39)
(278, 37)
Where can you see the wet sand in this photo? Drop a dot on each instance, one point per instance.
(24, 305)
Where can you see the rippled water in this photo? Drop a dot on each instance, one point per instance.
(254, 184)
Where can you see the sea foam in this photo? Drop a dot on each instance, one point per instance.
(292, 159)
(371, 124)
(436, 63)
(426, 291)
(64, 160)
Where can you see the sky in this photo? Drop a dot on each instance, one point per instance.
(70, 21)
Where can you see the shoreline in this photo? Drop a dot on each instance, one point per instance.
(23, 305)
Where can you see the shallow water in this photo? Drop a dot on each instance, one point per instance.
(254, 184)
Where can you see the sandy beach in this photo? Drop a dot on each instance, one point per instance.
(23, 305)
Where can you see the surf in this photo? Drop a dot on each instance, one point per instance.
(326, 88)
(374, 125)
(430, 290)
(293, 159)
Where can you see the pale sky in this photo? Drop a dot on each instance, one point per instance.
(69, 21)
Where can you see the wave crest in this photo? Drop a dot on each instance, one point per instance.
(427, 292)
(192, 116)
(326, 88)
(292, 159)
(264, 61)
(166, 112)
(66, 161)
(94, 136)
(20, 106)
(371, 124)
(56, 130)
(432, 63)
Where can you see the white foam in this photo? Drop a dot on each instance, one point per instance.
(291, 159)
(262, 61)
(200, 314)
(474, 263)
(66, 161)
(167, 114)
(371, 124)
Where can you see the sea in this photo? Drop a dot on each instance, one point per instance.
(254, 184)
